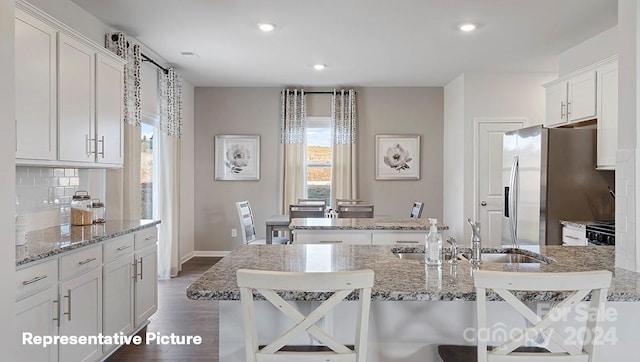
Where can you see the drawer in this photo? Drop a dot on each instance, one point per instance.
(146, 237)
(35, 278)
(80, 262)
(118, 247)
(332, 237)
(574, 236)
(398, 238)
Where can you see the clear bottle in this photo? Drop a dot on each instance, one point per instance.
(433, 245)
(81, 213)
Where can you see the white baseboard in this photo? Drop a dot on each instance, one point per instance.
(211, 254)
(186, 258)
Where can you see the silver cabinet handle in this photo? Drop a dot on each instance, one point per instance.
(57, 318)
(571, 237)
(561, 109)
(36, 279)
(568, 111)
(87, 145)
(68, 312)
(330, 242)
(140, 274)
(87, 261)
(101, 140)
(135, 271)
(150, 237)
(123, 247)
(407, 242)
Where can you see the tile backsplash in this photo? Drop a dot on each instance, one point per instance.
(44, 194)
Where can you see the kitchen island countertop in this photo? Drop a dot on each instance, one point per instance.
(376, 223)
(402, 280)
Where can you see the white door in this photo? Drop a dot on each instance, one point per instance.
(118, 297)
(146, 288)
(488, 176)
(109, 111)
(38, 315)
(582, 97)
(555, 105)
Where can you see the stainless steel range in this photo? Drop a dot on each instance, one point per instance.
(601, 233)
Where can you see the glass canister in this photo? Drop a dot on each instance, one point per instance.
(97, 207)
(81, 208)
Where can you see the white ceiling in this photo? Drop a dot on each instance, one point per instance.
(362, 42)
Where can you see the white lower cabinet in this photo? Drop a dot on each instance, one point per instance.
(146, 284)
(81, 315)
(78, 295)
(37, 315)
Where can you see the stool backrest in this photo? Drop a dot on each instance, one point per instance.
(577, 285)
(247, 224)
(321, 202)
(303, 210)
(342, 284)
(416, 210)
(355, 211)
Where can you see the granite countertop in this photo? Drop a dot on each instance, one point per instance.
(402, 280)
(55, 240)
(376, 223)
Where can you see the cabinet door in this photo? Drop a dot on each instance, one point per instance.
(109, 110)
(118, 296)
(76, 100)
(81, 303)
(607, 115)
(581, 103)
(146, 288)
(35, 86)
(37, 315)
(556, 105)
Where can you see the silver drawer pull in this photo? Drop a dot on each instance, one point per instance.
(330, 242)
(571, 237)
(87, 261)
(123, 247)
(407, 242)
(36, 279)
(150, 237)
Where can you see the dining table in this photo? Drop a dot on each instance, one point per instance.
(276, 222)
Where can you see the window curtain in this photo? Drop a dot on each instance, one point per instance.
(123, 185)
(293, 114)
(169, 173)
(344, 180)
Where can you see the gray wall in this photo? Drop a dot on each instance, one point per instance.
(257, 111)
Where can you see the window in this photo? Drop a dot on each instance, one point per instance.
(147, 170)
(318, 149)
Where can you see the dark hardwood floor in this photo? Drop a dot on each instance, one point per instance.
(181, 316)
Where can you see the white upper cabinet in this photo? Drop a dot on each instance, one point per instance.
(35, 87)
(607, 115)
(109, 111)
(76, 100)
(570, 100)
(69, 95)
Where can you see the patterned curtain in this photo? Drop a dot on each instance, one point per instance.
(343, 114)
(122, 47)
(293, 114)
(170, 103)
(344, 171)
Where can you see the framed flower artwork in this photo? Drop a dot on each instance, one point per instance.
(237, 157)
(397, 157)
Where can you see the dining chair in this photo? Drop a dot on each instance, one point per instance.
(347, 202)
(339, 284)
(322, 202)
(355, 211)
(416, 210)
(304, 211)
(577, 285)
(248, 228)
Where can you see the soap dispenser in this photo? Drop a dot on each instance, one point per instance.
(433, 247)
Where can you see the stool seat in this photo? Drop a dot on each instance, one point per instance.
(459, 353)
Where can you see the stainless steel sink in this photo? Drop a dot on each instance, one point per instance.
(505, 258)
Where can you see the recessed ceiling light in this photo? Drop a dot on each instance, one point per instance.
(467, 27)
(266, 27)
(319, 66)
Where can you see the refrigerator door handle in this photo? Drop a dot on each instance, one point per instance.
(513, 200)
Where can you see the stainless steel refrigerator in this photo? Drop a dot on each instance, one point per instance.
(549, 174)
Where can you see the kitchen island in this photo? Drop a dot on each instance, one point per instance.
(413, 308)
(360, 231)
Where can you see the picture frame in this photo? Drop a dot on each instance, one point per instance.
(237, 157)
(397, 157)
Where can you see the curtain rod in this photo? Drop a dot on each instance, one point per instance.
(147, 59)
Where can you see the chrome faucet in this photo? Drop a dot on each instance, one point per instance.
(476, 246)
(454, 250)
